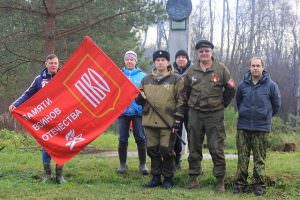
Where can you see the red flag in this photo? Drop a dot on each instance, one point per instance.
(78, 104)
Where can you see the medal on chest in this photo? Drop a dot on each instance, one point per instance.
(214, 78)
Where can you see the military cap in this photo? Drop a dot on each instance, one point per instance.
(161, 54)
(204, 44)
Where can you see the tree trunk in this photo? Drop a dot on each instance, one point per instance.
(251, 35)
(222, 30)
(50, 8)
(236, 32)
(228, 32)
(211, 15)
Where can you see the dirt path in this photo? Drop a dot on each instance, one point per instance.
(134, 154)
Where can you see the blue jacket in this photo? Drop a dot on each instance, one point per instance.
(257, 103)
(38, 83)
(135, 76)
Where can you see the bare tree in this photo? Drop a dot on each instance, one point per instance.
(252, 27)
(235, 33)
(228, 31)
(211, 17)
(222, 28)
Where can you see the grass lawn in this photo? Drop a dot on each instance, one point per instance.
(92, 176)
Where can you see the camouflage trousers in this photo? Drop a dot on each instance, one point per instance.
(160, 148)
(245, 142)
(210, 124)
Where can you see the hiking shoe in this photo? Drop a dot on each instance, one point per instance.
(220, 187)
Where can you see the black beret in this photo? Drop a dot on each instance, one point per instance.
(161, 54)
(204, 44)
(182, 53)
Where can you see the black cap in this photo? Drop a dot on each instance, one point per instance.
(182, 53)
(204, 44)
(161, 54)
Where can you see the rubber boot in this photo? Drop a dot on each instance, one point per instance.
(220, 187)
(142, 159)
(47, 168)
(59, 177)
(155, 181)
(122, 150)
(192, 183)
(168, 182)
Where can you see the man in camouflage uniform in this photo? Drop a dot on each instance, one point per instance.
(208, 89)
(258, 99)
(161, 90)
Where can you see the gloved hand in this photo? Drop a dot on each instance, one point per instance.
(141, 98)
(177, 124)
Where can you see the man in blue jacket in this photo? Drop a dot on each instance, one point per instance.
(258, 99)
(38, 83)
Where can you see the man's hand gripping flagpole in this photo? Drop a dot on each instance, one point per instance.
(162, 118)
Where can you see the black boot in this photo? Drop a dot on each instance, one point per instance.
(155, 181)
(59, 177)
(47, 168)
(168, 182)
(142, 158)
(122, 150)
(259, 190)
(238, 189)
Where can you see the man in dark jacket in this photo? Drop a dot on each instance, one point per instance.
(258, 99)
(181, 67)
(39, 82)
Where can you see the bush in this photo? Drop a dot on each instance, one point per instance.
(275, 142)
(12, 139)
(281, 131)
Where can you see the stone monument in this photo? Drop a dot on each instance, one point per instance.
(179, 12)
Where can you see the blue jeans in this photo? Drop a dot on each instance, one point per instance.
(45, 156)
(138, 130)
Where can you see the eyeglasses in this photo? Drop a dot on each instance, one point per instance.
(204, 51)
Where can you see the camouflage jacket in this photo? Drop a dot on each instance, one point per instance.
(207, 91)
(165, 94)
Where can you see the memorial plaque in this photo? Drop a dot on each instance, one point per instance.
(178, 25)
(179, 10)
